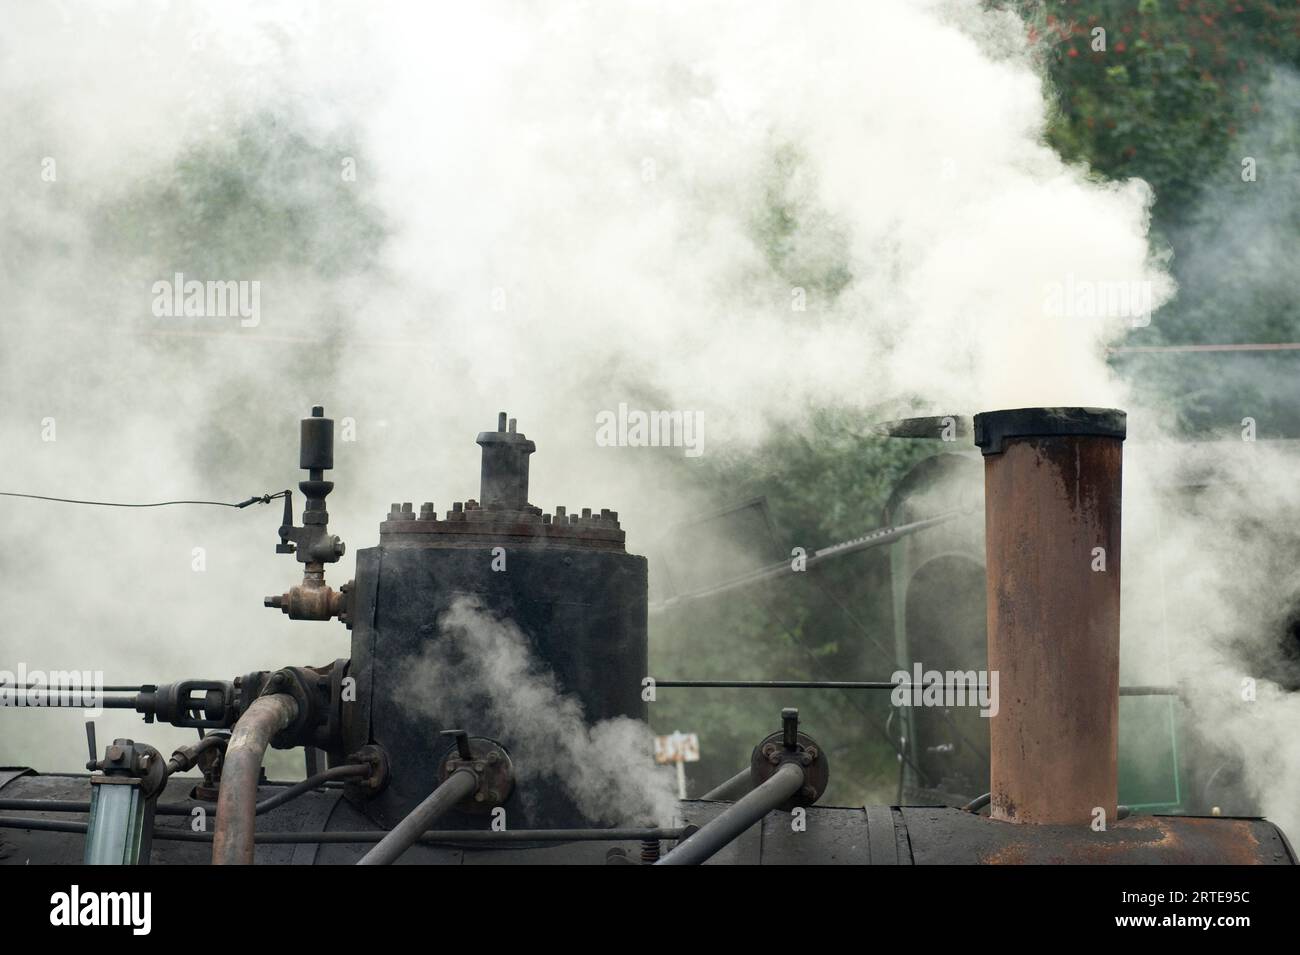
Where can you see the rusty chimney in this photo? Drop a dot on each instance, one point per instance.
(1052, 490)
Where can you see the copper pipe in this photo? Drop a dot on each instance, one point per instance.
(232, 840)
(1052, 487)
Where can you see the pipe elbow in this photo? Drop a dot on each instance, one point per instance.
(232, 841)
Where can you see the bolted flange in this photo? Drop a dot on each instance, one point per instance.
(489, 762)
(791, 746)
(375, 757)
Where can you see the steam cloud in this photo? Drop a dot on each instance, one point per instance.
(555, 208)
(482, 669)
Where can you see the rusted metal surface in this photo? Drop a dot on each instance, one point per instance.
(313, 599)
(232, 842)
(948, 836)
(1052, 538)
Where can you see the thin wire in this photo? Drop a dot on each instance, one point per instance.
(256, 499)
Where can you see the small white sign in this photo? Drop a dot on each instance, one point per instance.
(677, 748)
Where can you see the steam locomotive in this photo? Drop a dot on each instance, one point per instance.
(395, 777)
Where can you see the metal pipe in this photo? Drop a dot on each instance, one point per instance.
(71, 689)
(1150, 691)
(733, 788)
(348, 771)
(978, 803)
(46, 805)
(1052, 499)
(232, 841)
(735, 819)
(459, 785)
(436, 836)
(876, 538)
(73, 699)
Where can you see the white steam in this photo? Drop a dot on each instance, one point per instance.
(744, 209)
(482, 670)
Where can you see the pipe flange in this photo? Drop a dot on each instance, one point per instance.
(311, 689)
(769, 755)
(374, 757)
(332, 732)
(491, 764)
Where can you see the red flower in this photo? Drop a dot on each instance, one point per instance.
(1073, 53)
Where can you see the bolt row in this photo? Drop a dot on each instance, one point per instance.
(406, 512)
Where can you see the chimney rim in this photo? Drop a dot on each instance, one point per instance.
(994, 428)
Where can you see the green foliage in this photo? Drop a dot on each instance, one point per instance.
(803, 244)
(1173, 87)
(266, 195)
(1198, 98)
(259, 200)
